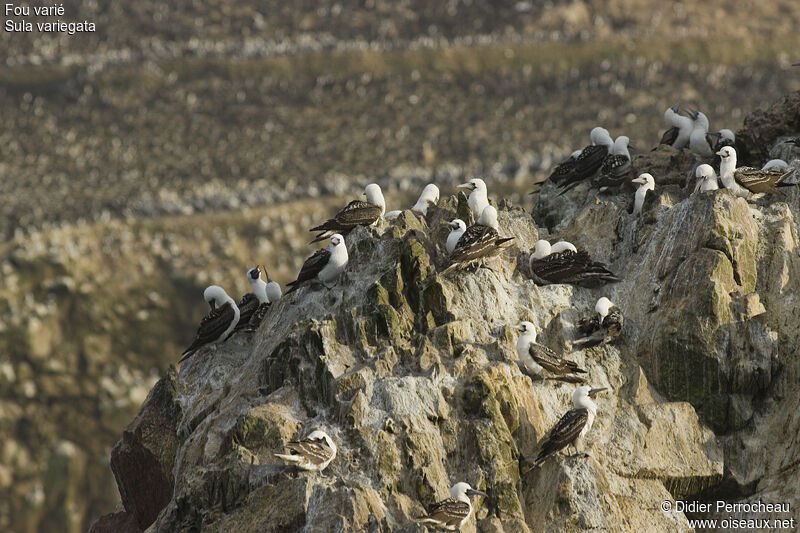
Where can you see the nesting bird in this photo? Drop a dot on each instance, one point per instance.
(567, 266)
(573, 426)
(706, 178)
(327, 264)
(604, 327)
(680, 129)
(534, 356)
(478, 197)
(429, 197)
(218, 324)
(616, 166)
(751, 179)
(314, 453)
(452, 513)
(356, 213)
(646, 183)
(479, 242)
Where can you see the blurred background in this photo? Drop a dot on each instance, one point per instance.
(182, 142)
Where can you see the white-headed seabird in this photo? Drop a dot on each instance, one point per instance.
(533, 355)
(700, 142)
(604, 327)
(706, 178)
(588, 161)
(457, 229)
(429, 197)
(646, 183)
(218, 324)
(313, 453)
(356, 213)
(250, 302)
(573, 426)
(327, 264)
(452, 513)
(273, 293)
(567, 267)
(780, 164)
(479, 242)
(752, 179)
(616, 166)
(680, 129)
(478, 197)
(273, 289)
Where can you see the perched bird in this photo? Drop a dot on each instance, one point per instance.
(273, 292)
(429, 197)
(326, 264)
(273, 289)
(616, 166)
(457, 229)
(452, 513)
(533, 355)
(314, 453)
(250, 302)
(564, 169)
(604, 327)
(706, 178)
(479, 242)
(218, 324)
(680, 129)
(356, 213)
(573, 426)
(478, 196)
(567, 267)
(646, 183)
(779, 164)
(561, 246)
(701, 144)
(588, 161)
(754, 180)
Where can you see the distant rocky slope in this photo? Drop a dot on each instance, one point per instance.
(414, 376)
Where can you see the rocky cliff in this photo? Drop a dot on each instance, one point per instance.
(413, 374)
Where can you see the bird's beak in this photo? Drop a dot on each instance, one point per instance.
(213, 304)
(637, 180)
(473, 492)
(676, 107)
(721, 154)
(518, 327)
(595, 391)
(465, 186)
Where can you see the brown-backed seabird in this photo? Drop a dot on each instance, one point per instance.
(313, 453)
(218, 324)
(452, 513)
(327, 264)
(356, 213)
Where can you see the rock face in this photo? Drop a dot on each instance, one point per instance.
(414, 375)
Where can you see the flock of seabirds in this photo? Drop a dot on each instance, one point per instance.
(606, 163)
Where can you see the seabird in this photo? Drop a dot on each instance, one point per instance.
(356, 213)
(250, 302)
(616, 166)
(567, 267)
(452, 513)
(313, 453)
(429, 197)
(589, 160)
(680, 129)
(326, 264)
(218, 324)
(706, 178)
(780, 164)
(457, 229)
(573, 426)
(604, 327)
(646, 183)
(479, 242)
(533, 355)
(478, 198)
(564, 169)
(700, 142)
(752, 179)
(273, 292)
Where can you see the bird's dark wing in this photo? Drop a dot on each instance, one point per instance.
(615, 171)
(450, 512)
(316, 451)
(757, 181)
(311, 268)
(550, 361)
(613, 323)
(562, 172)
(570, 267)
(588, 325)
(356, 213)
(586, 165)
(247, 306)
(211, 328)
(477, 242)
(670, 136)
(564, 433)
